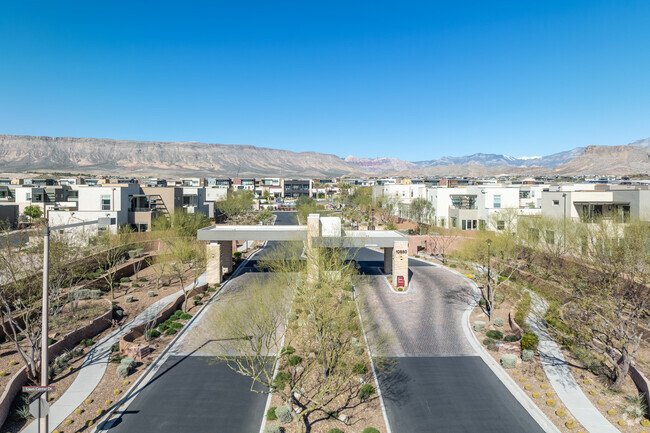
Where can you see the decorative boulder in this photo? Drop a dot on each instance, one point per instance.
(509, 360)
(510, 348)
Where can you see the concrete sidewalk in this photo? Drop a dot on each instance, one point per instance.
(95, 363)
(560, 377)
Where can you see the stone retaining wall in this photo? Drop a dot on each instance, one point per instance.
(14, 387)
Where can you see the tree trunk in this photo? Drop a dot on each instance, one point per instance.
(621, 370)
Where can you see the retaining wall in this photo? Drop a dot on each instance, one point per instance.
(14, 387)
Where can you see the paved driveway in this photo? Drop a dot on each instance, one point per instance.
(435, 381)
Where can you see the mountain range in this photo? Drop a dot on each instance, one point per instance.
(19, 153)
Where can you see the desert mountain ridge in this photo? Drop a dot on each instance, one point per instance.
(158, 158)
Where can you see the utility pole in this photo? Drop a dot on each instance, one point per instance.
(43, 423)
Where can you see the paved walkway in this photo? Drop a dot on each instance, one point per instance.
(560, 377)
(95, 363)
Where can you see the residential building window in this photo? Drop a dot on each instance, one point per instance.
(29, 196)
(497, 202)
(532, 193)
(453, 222)
(556, 202)
(501, 225)
(106, 202)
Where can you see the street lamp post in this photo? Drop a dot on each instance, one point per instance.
(489, 288)
(43, 424)
(564, 220)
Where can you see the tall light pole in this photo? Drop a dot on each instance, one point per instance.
(43, 424)
(489, 289)
(564, 220)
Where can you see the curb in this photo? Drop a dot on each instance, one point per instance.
(540, 418)
(106, 423)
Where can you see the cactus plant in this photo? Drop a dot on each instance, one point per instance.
(592, 392)
(550, 402)
(89, 401)
(527, 355)
(570, 424)
(560, 412)
(284, 414)
(536, 395)
(509, 360)
(611, 412)
(601, 402)
(479, 326)
(645, 422)
(528, 387)
(622, 423)
(117, 392)
(68, 422)
(78, 411)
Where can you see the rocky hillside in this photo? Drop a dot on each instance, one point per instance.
(616, 160)
(144, 158)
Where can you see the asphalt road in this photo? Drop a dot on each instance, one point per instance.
(436, 382)
(192, 392)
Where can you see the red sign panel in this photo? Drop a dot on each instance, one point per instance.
(400, 281)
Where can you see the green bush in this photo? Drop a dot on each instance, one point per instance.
(163, 327)
(482, 302)
(371, 429)
(349, 288)
(270, 414)
(176, 325)
(495, 335)
(529, 341)
(152, 333)
(87, 342)
(197, 298)
(334, 430)
(185, 316)
(360, 368)
(291, 316)
(509, 360)
(287, 350)
(127, 361)
(128, 298)
(284, 414)
(125, 280)
(510, 338)
(493, 347)
(498, 322)
(523, 309)
(499, 298)
(177, 314)
(135, 285)
(142, 280)
(294, 360)
(479, 325)
(366, 391)
(170, 331)
(527, 355)
(281, 380)
(488, 341)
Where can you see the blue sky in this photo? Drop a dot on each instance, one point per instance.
(412, 80)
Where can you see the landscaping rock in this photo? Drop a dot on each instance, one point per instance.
(510, 348)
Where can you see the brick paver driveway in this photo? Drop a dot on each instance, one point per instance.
(434, 380)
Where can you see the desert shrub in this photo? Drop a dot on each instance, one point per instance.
(163, 327)
(482, 302)
(196, 297)
(287, 350)
(185, 316)
(270, 414)
(142, 279)
(360, 368)
(371, 429)
(123, 370)
(176, 325)
(211, 289)
(499, 297)
(127, 361)
(294, 360)
(291, 316)
(281, 380)
(498, 322)
(509, 360)
(177, 314)
(125, 280)
(135, 285)
(358, 349)
(349, 288)
(488, 341)
(527, 355)
(334, 430)
(529, 341)
(523, 309)
(128, 298)
(87, 342)
(479, 325)
(170, 331)
(151, 293)
(272, 428)
(284, 414)
(117, 359)
(366, 391)
(493, 347)
(151, 334)
(353, 326)
(495, 335)
(510, 338)
(635, 407)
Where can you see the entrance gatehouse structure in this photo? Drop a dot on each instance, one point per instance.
(319, 232)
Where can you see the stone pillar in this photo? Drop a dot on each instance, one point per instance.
(401, 263)
(313, 228)
(226, 257)
(388, 260)
(214, 271)
(313, 231)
